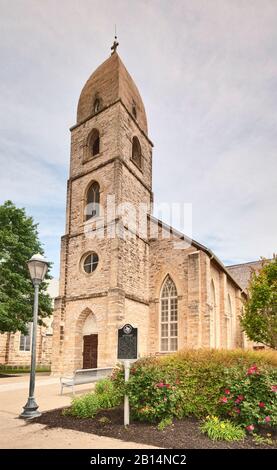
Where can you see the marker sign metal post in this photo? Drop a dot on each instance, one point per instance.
(127, 351)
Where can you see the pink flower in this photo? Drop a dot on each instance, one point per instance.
(160, 385)
(261, 404)
(223, 399)
(237, 410)
(167, 385)
(267, 419)
(250, 428)
(165, 399)
(253, 370)
(227, 391)
(274, 388)
(239, 399)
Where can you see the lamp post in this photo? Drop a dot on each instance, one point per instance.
(37, 268)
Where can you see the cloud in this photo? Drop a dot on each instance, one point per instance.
(207, 73)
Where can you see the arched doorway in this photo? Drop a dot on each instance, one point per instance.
(90, 342)
(86, 341)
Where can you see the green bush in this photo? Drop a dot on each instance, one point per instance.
(154, 395)
(251, 398)
(164, 423)
(222, 430)
(106, 395)
(7, 369)
(185, 383)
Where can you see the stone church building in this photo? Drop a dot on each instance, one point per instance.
(174, 290)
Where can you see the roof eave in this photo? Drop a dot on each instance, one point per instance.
(199, 246)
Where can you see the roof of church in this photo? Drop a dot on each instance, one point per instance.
(109, 83)
(243, 272)
(199, 246)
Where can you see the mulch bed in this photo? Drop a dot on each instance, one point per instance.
(183, 434)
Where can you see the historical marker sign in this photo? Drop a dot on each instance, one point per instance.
(127, 342)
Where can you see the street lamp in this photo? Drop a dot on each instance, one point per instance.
(37, 268)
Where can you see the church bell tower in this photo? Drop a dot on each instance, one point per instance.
(104, 275)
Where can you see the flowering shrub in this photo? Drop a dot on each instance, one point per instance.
(188, 383)
(251, 398)
(154, 395)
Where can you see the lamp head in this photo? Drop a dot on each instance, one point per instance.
(37, 266)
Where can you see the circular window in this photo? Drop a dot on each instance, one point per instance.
(91, 263)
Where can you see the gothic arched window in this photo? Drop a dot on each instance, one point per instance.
(94, 142)
(213, 317)
(169, 316)
(229, 326)
(134, 110)
(93, 201)
(96, 105)
(136, 152)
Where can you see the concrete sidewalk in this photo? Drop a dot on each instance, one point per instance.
(15, 433)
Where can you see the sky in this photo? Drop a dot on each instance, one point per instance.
(207, 73)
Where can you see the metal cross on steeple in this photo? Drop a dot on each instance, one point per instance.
(115, 43)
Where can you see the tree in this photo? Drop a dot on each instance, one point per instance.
(18, 242)
(259, 319)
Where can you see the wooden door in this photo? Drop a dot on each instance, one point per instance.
(90, 351)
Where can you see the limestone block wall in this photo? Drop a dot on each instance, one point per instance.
(166, 259)
(110, 313)
(107, 123)
(224, 287)
(12, 355)
(79, 283)
(205, 282)
(137, 314)
(4, 339)
(75, 315)
(127, 130)
(105, 177)
(215, 276)
(193, 272)
(133, 266)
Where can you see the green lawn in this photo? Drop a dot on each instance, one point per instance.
(22, 370)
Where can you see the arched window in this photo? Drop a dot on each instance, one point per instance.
(169, 316)
(96, 105)
(229, 315)
(93, 201)
(136, 152)
(213, 325)
(134, 110)
(94, 142)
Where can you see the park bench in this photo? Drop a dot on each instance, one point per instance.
(83, 376)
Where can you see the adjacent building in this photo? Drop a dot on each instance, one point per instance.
(15, 348)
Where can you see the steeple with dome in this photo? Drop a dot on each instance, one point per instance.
(110, 83)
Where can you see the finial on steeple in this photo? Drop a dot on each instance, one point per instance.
(115, 43)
